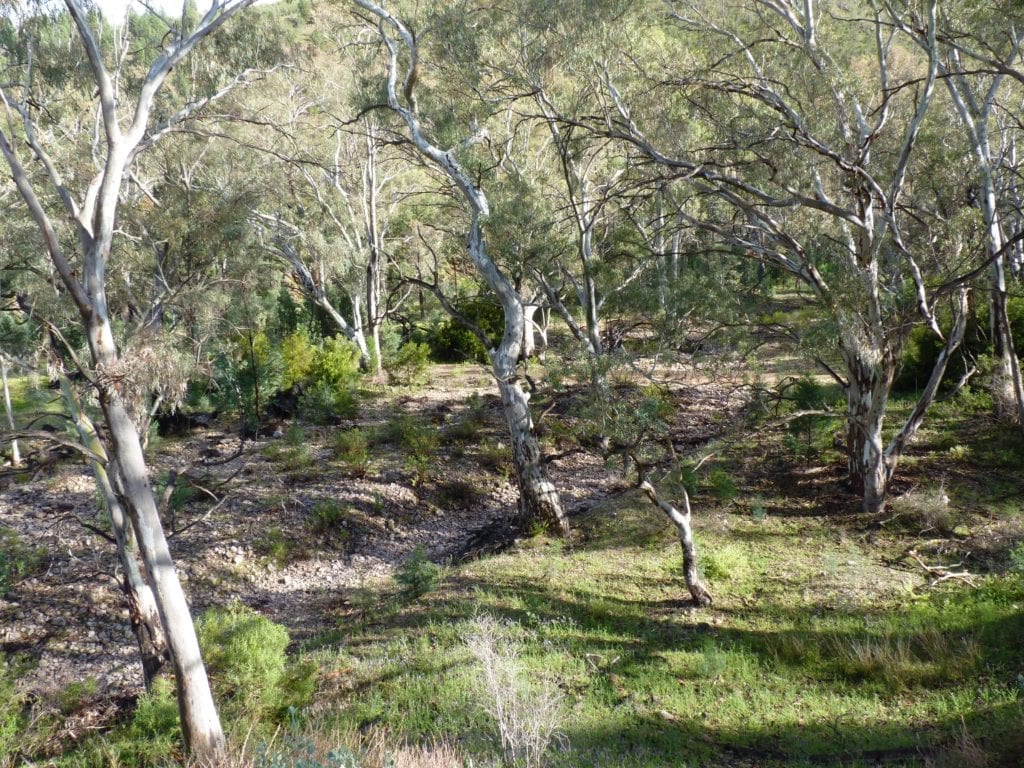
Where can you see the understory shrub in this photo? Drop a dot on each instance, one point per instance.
(527, 707)
(18, 560)
(418, 575)
(331, 382)
(11, 705)
(408, 364)
(352, 447)
(452, 342)
(251, 674)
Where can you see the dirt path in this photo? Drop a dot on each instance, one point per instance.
(254, 538)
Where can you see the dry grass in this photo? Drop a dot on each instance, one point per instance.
(526, 710)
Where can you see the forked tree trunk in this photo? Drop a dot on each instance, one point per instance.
(200, 723)
(142, 609)
(681, 520)
(871, 464)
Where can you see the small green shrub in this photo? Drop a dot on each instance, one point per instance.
(156, 716)
(722, 486)
(18, 560)
(409, 363)
(76, 694)
(297, 355)
(324, 403)
(495, 456)
(325, 517)
(925, 510)
(1017, 558)
(417, 575)
(12, 703)
(714, 662)
(727, 562)
(245, 657)
(352, 447)
(276, 547)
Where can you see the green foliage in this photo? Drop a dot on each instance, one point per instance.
(331, 382)
(18, 560)
(809, 437)
(418, 440)
(726, 562)
(293, 453)
(297, 356)
(409, 363)
(246, 375)
(276, 546)
(1017, 558)
(352, 447)
(452, 342)
(418, 575)
(76, 694)
(12, 703)
(250, 673)
(723, 488)
(468, 425)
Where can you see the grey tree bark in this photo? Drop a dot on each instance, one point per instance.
(539, 499)
(860, 199)
(9, 410)
(93, 220)
(681, 520)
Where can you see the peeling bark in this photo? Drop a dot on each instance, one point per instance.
(700, 594)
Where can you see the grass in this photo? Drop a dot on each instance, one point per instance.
(777, 669)
(823, 646)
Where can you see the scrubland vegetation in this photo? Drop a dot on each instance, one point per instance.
(432, 385)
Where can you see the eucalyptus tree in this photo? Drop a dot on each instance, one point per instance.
(75, 211)
(332, 227)
(977, 85)
(800, 140)
(539, 498)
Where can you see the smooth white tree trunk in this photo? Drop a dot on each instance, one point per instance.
(15, 452)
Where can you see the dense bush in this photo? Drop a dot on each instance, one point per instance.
(417, 575)
(331, 380)
(453, 342)
(923, 347)
(408, 364)
(245, 657)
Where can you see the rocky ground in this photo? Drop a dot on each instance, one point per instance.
(245, 529)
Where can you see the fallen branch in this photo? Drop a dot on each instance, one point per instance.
(941, 573)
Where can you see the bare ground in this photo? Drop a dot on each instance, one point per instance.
(70, 620)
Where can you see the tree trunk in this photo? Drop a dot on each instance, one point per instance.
(200, 724)
(1010, 388)
(870, 379)
(15, 453)
(142, 608)
(538, 497)
(529, 330)
(696, 588)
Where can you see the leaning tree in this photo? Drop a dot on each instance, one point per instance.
(76, 215)
(539, 498)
